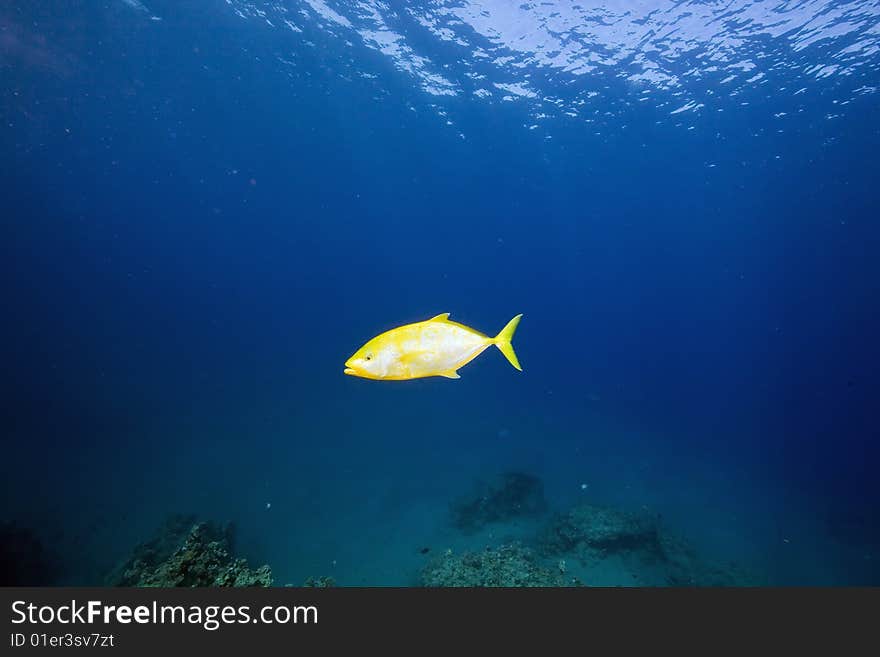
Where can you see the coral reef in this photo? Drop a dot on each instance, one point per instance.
(511, 495)
(507, 565)
(320, 582)
(151, 553)
(601, 545)
(183, 554)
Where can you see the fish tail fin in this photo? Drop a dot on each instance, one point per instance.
(502, 341)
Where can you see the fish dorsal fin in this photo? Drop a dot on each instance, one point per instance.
(442, 317)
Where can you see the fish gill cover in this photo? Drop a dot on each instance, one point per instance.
(211, 205)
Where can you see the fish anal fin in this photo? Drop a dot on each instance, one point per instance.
(442, 317)
(450, 374)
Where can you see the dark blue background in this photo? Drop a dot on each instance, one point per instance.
(196, 238)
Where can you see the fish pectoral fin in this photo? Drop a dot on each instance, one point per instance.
(450, 374)
(442, 317)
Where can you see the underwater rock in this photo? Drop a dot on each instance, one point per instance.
(600, 528)
(201, 555)
(511, 495)
(320, 582)
(24, 561)
(238, 574)
(857, 526)
(593, 533)
(148, 555)
(507, 565)
(684, 567)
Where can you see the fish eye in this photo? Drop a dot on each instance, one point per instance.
(368, 357)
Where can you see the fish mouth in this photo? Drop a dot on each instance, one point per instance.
(349, 371)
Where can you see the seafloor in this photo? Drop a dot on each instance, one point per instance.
(498, 530)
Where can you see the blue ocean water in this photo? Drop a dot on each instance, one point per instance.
(207, 207)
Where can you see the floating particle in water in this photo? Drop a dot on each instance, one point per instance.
(268, 505)
(584, 486)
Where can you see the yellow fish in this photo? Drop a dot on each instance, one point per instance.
(435, 347)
